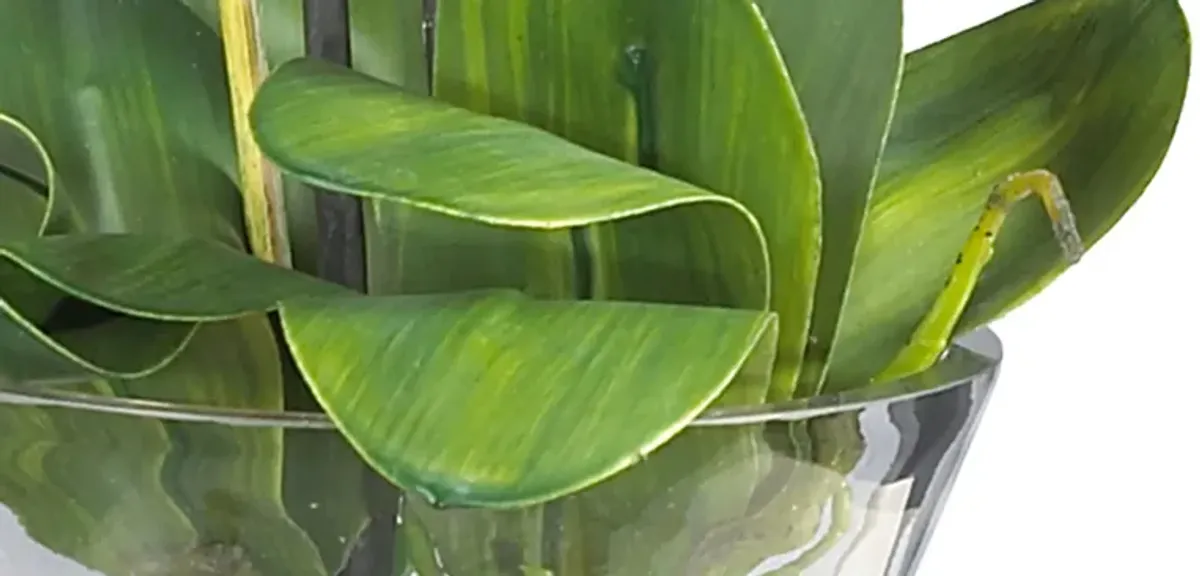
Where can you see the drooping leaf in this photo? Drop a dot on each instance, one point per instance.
(31, 353)
(183, 280)
(344, 131)
(495, 354)
(640, 521)
(121, 113)
(611, 353)
(156, 288)
(510, 168)
(1091, 91)
(725, 117)
(844, 59)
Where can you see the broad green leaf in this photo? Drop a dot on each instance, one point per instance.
(726, 118)
(32, 355)
(644, 520)
(491, 361)
(373, 37)
(844, 59)
(345, 131)
(1091, 91)
(507, 59)
(563, 66)
(500, 428)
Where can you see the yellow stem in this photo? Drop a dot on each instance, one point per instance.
(262, 187)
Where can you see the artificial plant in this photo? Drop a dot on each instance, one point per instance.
(583, 223)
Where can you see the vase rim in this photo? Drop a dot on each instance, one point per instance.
(969, 357)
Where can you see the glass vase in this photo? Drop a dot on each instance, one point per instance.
(847, 485)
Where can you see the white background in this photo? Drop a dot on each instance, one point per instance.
(1086, 460)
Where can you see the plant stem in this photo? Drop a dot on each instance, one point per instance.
(262, 186)
(341, 258)
(341, 249)
(933, 335)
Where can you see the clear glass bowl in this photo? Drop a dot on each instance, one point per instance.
(845, 485)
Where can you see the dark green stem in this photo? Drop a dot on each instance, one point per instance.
(341, 250)
(341, 258)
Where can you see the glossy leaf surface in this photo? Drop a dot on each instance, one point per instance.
(466, 402)
(1091, 91)
(844, 59)
(524, 349)
(497, 172)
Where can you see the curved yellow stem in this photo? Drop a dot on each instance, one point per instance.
(933, 334)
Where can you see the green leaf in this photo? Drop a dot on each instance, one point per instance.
(34, 205)
(553, 64)
(844, 59)
(507, 59)
(726, 118)
(1091, 91)
(176, 280)
(502, 177)
(525, 351)
(344, 131)
(129, 133)
(144, 280)
(386, 42)
(500, 427)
